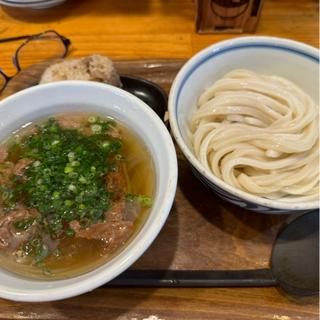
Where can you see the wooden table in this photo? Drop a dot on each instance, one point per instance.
(127, 29)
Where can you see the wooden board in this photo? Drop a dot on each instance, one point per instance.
(202, 231)
(129, 29)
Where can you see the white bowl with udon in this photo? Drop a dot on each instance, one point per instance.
(245, 113)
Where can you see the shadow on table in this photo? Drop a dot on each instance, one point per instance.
(229, 237)
(230, 218)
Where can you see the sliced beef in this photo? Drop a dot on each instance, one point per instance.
(114, 132)
(70, 121)
(6, 171)
(116, 184)
(76, 121)
(20, 166)
(112, 233)
(4, 237)
(9, 236)
(123, 211)
(3, 154)
(132, 210)
(116, 212)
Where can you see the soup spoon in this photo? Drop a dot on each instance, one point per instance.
(294, 266)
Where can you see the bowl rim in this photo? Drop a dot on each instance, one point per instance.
(190, 66)
(141, 241)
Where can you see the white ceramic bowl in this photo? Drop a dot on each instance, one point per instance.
(57, 97)
(31, 4)
(290, 59)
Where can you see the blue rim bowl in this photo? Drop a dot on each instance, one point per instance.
(270, 55)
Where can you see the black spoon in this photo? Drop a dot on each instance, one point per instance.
(147, 91)
(294, 266)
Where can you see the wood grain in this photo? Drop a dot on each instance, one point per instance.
(167, 304)
(227, 238)
(146, 28)
(202, 232)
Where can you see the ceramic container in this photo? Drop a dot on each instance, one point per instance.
(49, 99)
(293, 60)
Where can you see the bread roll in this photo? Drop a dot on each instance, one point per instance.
(91, 68)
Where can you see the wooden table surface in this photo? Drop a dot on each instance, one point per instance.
(140, 29)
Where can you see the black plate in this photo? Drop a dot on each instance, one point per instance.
(148, 92)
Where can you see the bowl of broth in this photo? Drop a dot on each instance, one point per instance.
(88, 174)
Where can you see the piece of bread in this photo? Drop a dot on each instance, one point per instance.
(91, 68)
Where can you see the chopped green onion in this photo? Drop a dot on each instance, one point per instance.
(66, 181)
(105, 144)
(96, 128)
(55, 142)
(36, 163)
(70, 232)
(83, 180)
(92, 119)
(56, 195)
(68, 203)
(75, 163)
(71, 156)
(72, 187)
(73, 174)
(143, 200)
(68, 169)
(24, 224)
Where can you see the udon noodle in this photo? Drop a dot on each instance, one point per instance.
(259, 134)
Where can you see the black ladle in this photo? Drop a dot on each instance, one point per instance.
(147, 91)
(294, 266)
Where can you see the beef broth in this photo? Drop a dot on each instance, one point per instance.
(84, 224)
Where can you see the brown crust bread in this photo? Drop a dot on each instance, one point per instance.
(92, 68)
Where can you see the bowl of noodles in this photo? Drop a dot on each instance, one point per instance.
(245, 114)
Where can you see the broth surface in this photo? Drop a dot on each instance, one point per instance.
(82, 252)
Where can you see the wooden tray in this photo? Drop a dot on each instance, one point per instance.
(202, 231)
